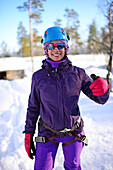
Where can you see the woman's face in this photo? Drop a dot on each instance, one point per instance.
(56, 54)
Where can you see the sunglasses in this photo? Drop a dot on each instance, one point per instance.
(52, 46)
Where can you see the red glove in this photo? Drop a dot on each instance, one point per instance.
(29, 145)
(99, 87)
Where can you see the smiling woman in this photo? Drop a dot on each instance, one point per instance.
(54, 96)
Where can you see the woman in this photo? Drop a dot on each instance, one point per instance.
(54, 96)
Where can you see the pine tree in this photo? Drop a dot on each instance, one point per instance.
(72, 28)
(23, 41)
(4, 49)
(35, 8)
(104, 40)
(38, 50)
(93, 39)
(106, 7)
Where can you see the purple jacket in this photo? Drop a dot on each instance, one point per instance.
(54, 96)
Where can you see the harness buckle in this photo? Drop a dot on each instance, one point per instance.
(66, 130)
(84, 139)
(42, 139)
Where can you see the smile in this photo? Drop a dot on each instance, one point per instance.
(56, 55)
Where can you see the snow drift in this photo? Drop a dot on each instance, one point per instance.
(98, 155)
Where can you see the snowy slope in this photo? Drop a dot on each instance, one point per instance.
(98, 155)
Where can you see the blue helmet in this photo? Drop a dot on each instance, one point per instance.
(54, 33)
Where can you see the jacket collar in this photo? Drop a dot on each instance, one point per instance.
(62, 66)
(55, 63)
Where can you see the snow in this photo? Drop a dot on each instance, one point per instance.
(10, 63)
(98, 155)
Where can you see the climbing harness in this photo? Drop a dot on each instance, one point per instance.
(45, 139)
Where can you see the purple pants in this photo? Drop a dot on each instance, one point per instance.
(46, 152)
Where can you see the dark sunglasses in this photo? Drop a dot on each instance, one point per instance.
(52, 46)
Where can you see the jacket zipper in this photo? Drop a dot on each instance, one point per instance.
(62, 90)
(60, 78)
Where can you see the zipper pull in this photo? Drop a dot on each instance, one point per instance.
(56, 69)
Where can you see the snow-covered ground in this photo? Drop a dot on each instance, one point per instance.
(98, 155)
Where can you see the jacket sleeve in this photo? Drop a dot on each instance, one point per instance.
(86, 82)
(33, 108)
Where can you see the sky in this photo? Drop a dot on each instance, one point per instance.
(10, 17)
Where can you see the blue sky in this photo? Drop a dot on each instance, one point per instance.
(10, 17)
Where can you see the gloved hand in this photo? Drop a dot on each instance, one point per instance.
(29, 145)
(99, 86)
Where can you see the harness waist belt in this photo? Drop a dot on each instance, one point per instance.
(44, 139)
